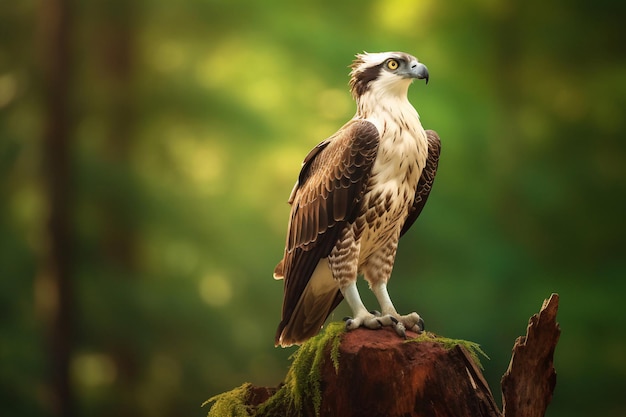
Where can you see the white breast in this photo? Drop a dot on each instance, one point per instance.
(402, 153)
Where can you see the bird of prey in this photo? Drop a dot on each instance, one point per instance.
(357, 193)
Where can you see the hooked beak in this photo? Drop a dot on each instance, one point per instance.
(419, 71)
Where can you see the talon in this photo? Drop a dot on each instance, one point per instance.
(348, 323)
(380, 322)
(420, 325)
(346, 318)
(400, 330)
(395, 320)
(376, 313)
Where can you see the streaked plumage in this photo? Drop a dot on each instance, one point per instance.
(357, 193)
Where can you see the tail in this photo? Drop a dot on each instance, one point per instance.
(317, 301)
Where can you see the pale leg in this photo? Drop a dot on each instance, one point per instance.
(377, 273)
(362, 317)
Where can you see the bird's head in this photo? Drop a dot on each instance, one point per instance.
(385, 72)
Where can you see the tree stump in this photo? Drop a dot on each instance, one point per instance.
(404, 378)
(376, 373)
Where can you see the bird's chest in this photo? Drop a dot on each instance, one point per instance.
(392, 185)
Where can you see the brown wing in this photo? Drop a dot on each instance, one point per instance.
(326, 197)
(425, 183)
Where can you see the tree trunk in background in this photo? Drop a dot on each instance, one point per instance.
(54, 282)
(114, 58)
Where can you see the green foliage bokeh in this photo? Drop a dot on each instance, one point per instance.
(183, 158)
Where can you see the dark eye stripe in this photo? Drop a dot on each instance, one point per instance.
(366, 76)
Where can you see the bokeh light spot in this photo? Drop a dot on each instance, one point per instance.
(215, 290)
(93, 369)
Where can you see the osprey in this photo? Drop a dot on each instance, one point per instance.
(357, 193)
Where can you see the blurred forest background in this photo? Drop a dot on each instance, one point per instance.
(147, 150)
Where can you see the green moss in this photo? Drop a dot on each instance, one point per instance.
(334, 349)
(302, 387)
(473, 348)
(302, 384)
(231, 403)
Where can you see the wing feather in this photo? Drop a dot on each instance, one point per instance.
(327, 195)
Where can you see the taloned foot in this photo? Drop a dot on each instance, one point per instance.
(412, 322)
(373, 320)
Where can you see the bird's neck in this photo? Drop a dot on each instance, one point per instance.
(386, 107)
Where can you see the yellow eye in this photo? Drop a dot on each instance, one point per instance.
(392, 64)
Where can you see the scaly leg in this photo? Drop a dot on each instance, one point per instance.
(377, 273)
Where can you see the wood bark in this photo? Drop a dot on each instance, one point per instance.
(529, 382)
(380, 374)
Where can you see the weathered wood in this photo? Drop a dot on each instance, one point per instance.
(404, 378)
(529, 382)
